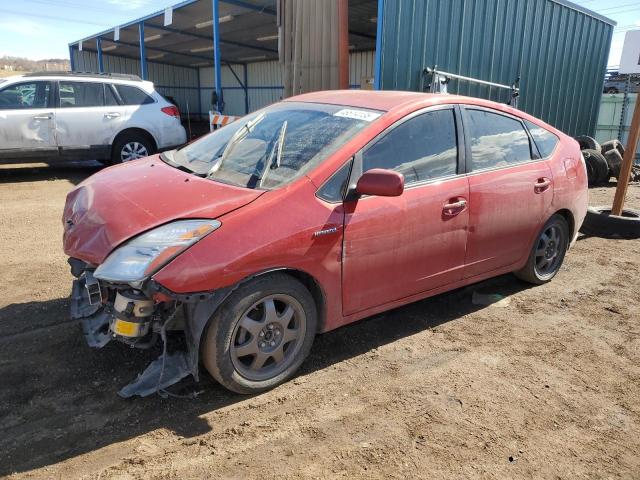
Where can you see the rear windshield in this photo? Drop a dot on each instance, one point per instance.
(273, 146)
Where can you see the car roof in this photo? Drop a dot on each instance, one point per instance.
(145, 85)
(390, 100)
(395, 101)
(385, 100)
(110, 78)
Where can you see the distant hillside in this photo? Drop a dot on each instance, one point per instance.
(19, 64)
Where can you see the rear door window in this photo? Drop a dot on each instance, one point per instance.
(495, 140)
(544, 139)
(421, 148)
(133, 95)
(110, 95)
(25, 95)
(81, 94)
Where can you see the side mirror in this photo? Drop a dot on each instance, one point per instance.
(380, 182)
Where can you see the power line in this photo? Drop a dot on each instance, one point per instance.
(633, 4)
(66, 4)
(52, 17)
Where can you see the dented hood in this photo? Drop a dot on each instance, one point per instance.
(121, 202)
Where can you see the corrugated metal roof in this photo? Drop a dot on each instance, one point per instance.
(251, 35)
(558, 50)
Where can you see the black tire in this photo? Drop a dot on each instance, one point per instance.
(597, 168)
(130, 140)
(611, 90)
(533, 271)
(614, 161)
(600, 223)
(219, 345)
(612, 144)
(587, 143)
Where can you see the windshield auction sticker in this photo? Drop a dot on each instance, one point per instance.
(357, 114)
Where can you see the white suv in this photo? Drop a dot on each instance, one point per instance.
(107, 117)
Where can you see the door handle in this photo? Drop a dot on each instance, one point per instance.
(454, 208)
(542, 185)
(43, 117)
(111, 115)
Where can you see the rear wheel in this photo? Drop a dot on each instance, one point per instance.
(548, 252)
(261, 334)
(131, 147)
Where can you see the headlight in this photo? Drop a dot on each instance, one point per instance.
(145, 254)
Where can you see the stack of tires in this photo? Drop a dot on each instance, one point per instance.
(603, 161)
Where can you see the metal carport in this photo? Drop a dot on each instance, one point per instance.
(557, 48)
(230, 46)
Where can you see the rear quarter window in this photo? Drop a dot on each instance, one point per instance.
(133, 95)
(544, 139)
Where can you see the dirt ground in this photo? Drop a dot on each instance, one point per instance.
(543, 384)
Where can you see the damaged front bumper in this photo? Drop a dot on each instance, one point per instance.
(138, 318)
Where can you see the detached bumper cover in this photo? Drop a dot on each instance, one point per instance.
(168, 368)
(94, 319)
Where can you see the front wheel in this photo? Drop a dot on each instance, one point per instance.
(548, 252)
(261, 334)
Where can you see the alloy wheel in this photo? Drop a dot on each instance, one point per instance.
(133, 151)
(549, 251)
(267, 337)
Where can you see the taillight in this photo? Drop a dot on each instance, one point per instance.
(172, 111)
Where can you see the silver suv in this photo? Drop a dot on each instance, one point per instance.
(107, 117)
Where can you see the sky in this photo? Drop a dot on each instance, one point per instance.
(39, 29)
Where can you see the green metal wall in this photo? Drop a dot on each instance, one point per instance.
(559, 52)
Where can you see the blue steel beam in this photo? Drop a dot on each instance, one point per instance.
(250, 6)
(130, 57)
(235, 74)
(246, 90)
(72, 61)
(204, 37)
(199, 95)
(99, 49)
(216, 53)
(377, 74)
(158, 49)
(143, 57)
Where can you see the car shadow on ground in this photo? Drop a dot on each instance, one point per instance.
(59, 397)
(74, 172)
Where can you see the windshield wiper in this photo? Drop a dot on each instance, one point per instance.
(277, 152)
(237, 137)
(167, 157)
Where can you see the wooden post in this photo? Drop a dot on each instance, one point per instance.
(627, 161)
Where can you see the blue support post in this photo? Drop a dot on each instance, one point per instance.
(143, 57)
(199, 94)
(246, 90)
(216, 53)
(99, 49)
(72, 61)
(377, 73)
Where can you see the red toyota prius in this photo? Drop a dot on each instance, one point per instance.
(310, 214)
